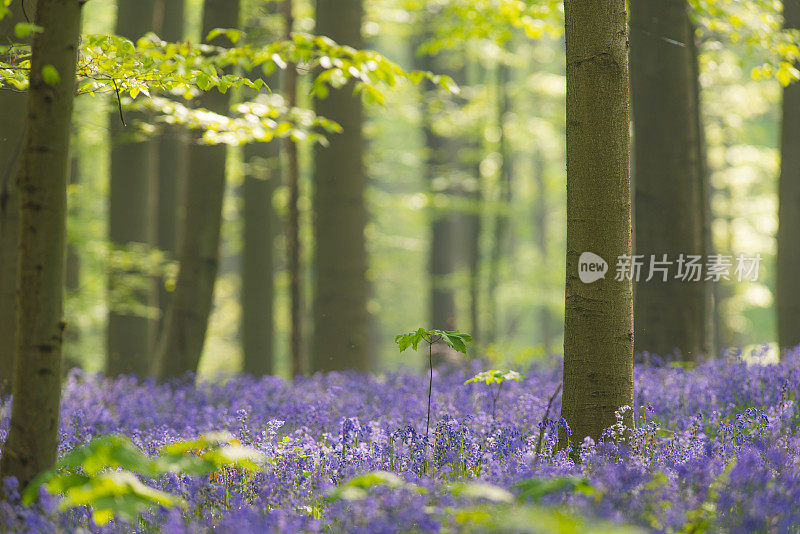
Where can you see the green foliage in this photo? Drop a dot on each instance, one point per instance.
(24, 29)
(533, 489)
(453, 338)
(481, 490)
(50, 75)
(104, 474)
(758, 26)
(461, 21)
(358, 488)
(496, 376)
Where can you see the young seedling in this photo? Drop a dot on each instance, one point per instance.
(453, 338)
(496, 376)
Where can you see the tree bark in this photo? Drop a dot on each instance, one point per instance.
(500, 223)
(341, 320)
(788, 281)
(12, 129)
(598, 326)
(440, 162)
(132, 220)
(42, 180)
(258, 258)
(292, 180)
(185, 325)
(669, 199)
(173, 160)
(262, 172)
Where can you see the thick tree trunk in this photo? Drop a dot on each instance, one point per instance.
(42, 180)
(669, 199)
(788, 280)
(173, 159)
(12, 129)
(598, 326)
(340, 291)
(182, 340)
(262, 172)
(132, 220)
(257, 259)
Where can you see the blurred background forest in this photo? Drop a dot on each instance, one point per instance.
(491, 205)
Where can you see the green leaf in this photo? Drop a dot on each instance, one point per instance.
(357, 488)
(480, 490)
(534, 489)
(24, 29)
(50, 75)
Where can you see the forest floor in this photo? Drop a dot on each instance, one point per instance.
(716, 448)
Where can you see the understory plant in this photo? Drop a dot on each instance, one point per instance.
(499, 377)
(452, 338)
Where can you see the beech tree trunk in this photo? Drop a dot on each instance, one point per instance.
(42, 181)
(262, 173)
(12, 129)
(341, 320)
(132, 220)
(440, 162)
(788, 281)
(669, 199)
(598, 326)
(173, 160)
(185, 325)
(292, 180)
(500, 222)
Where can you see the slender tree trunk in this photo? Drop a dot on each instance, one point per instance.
(173, 161)
(440, 163)
(12, 129)
(542, 230)
(501, 218)
(709, 346)
(340, 264)
(182, 340)
(42, 180)
(132, 218)
(671, 314)
(788, 281)
(598, 326)
(72, 278)
(292, 180)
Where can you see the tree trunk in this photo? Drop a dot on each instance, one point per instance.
(440, 162)
(542, 230)
(671, 314)
(788, 281)
(598, 326)
(42, 180)
(292, 180)
(12, 129)
(182, 340)
(173, 160)
(500, 229)
(132, 216)
(340, 264)
(257, 258)
(262, 171)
